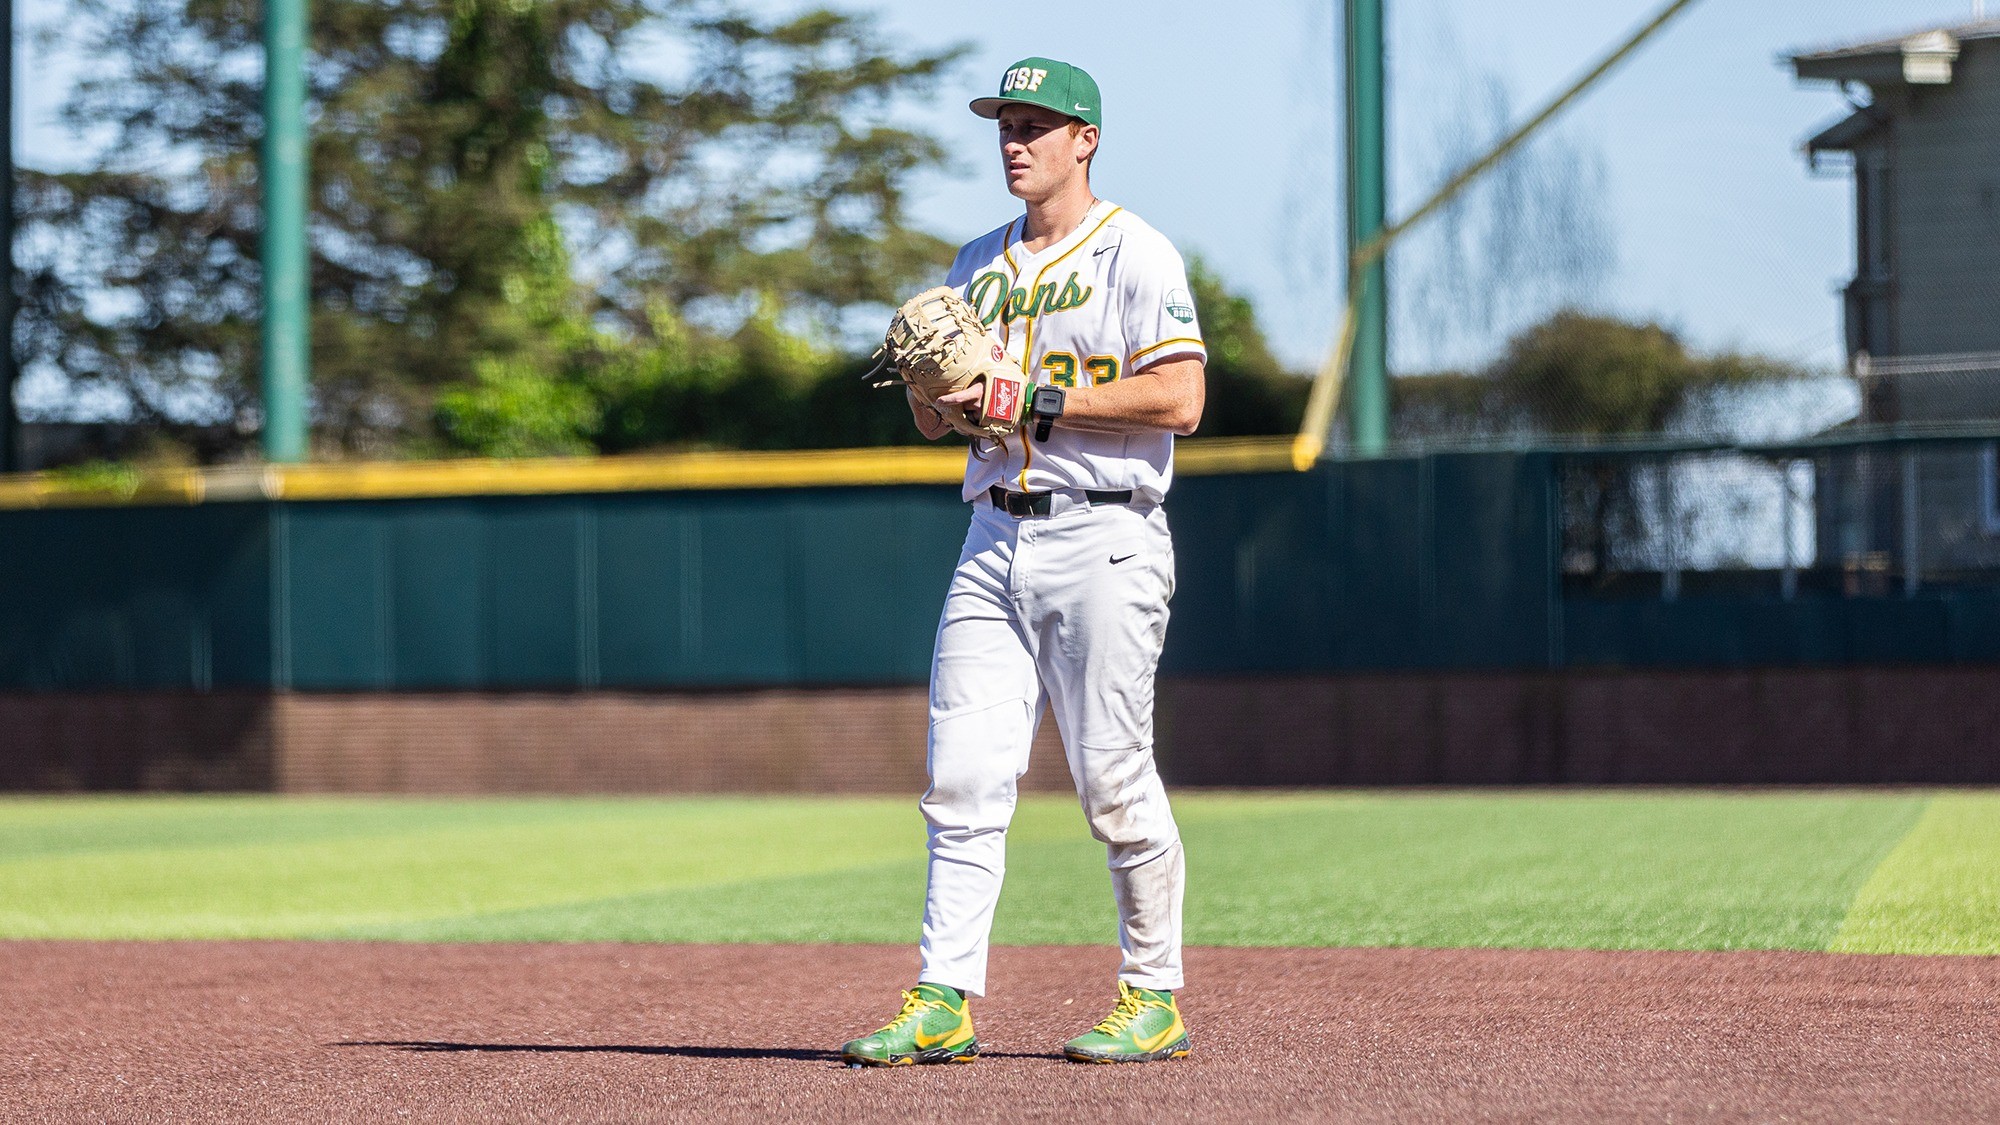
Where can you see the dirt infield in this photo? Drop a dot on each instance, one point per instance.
(361, 1032)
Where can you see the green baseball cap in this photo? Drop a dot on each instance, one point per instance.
(1049, 84)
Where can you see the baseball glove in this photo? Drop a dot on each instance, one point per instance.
(935, 345)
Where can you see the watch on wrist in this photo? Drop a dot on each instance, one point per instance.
(1046, 406)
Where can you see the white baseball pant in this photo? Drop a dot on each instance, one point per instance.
(1068, 609)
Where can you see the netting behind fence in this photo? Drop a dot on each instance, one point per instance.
(1705, 246)
(1854, 520)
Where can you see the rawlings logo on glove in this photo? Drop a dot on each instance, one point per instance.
(936, 345)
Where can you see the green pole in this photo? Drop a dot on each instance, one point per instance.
(10, 419)
(286, 340)
(1367, 207)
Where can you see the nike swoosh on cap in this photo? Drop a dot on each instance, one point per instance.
(1083, 109)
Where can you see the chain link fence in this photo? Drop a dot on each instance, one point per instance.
(1928, 391)
(1860, 519)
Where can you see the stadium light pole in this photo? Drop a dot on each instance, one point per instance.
(1367, 209)
(286, 326)
(10, 417)
(1358, 358)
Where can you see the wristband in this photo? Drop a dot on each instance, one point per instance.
(1047, 406)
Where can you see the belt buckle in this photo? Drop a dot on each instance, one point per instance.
(1020, 504)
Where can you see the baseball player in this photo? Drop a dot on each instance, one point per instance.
(1060, 594)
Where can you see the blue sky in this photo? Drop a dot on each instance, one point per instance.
(1220, 131)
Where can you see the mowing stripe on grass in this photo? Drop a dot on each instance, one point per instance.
(1939, 890)
(1667, 870)
(868, 896)
(45, 826)
(1615, 870)
(864, 903)
(1527, 870)
(410, 862)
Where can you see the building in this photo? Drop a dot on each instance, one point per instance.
(1921, 139)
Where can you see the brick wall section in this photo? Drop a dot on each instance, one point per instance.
(1720, 727)
(1407, 729)
(152, 741)
(1795, 726)
(855, 740)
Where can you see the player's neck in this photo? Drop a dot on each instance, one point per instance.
(1055, 218)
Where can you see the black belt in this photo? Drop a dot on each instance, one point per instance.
(1039, 503)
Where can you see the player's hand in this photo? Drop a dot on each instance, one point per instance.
(930, 423)
(958, 404)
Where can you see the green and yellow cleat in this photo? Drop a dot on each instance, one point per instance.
(1144, 1026)
(933, 1027)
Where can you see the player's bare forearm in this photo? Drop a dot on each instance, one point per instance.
(1165, 396)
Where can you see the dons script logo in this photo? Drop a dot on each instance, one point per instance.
(1006, 402)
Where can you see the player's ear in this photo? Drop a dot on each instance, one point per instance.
(1087, 138)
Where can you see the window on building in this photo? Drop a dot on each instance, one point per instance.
(1872, 235)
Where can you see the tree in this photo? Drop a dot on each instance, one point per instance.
(1576, 374)
(506, 208)
(1595, 376)
(1531, 235)
(1249, 391)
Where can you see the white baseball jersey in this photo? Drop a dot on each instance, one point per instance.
(1093, 308)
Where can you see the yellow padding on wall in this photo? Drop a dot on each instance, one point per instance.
(383, 480)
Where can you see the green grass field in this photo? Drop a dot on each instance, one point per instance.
(1876, 872)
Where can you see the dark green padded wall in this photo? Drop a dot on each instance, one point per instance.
(135, 598)
(1444, 562)
(1440, 562)
(1255, 573)
(619, 590)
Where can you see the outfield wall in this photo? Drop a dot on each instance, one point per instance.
(1395, 621)
(1715, 726)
